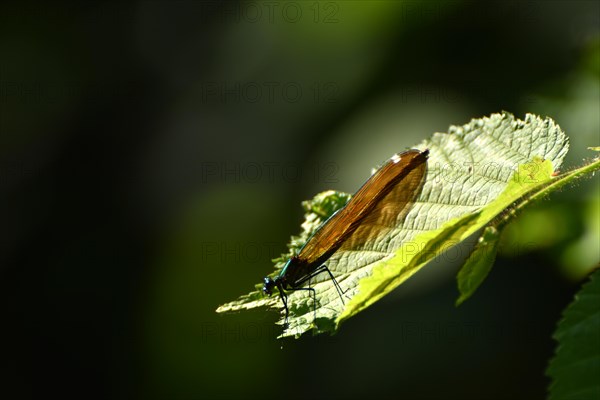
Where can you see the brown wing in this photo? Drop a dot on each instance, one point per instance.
(380, 202)
(390, 210)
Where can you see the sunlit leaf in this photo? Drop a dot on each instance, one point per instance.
(479, 264)
(469, 171)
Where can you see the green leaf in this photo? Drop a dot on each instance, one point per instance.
(475, 173)
(575, 369)
(479, 263)
(414, 254)
(528, 177)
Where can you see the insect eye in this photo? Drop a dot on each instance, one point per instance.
(267, 286)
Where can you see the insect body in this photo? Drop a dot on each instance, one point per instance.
(378, 206)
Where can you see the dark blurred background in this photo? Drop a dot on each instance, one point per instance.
(153, 157)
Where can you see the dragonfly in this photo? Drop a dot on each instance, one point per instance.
(376, 208)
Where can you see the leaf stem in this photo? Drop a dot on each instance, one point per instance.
(548, 187)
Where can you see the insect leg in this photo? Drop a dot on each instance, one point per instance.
(335, 283)
(283, 297)
(337, 286)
